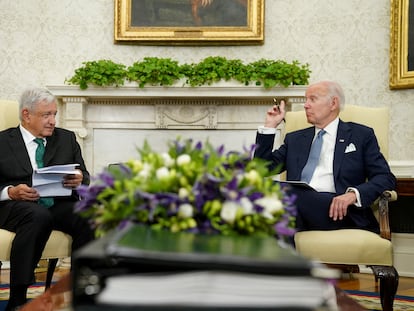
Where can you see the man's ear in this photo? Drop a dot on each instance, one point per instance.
(25, 114)
(335, 103)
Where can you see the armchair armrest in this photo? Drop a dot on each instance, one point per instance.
(386, 196)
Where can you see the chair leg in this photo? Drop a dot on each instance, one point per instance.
(50, 271)
(389, 278)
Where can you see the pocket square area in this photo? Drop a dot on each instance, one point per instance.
(350, 148)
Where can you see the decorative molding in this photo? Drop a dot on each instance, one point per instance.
(402, 168)
(188, 116)
(219, 90)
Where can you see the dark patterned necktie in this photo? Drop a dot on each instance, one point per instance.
(40, 151)
(313, 159)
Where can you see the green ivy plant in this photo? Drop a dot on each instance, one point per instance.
(270, 73)
(101, 73)
(166, 72)
(212, 69)
(155, 71)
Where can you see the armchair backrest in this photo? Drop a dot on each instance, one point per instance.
(376, 118)
(9, 113)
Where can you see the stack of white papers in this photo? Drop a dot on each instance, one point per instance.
(217, 289)
(48, 181)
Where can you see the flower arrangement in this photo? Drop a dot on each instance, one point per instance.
(192, 187)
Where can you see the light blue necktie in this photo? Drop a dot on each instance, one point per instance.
(313, 159)
(40, 151)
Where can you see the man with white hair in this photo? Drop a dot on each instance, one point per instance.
(35, 143)
(341, 160)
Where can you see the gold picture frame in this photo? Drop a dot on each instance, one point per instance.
(402, 42)
(189, 22)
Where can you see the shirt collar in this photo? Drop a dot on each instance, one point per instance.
(331, 128)
(27, 136)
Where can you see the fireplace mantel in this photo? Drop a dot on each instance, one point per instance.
(112, 122)
(221, 89)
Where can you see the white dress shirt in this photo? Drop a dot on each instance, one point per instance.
(322, 178)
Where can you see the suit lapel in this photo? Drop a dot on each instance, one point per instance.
(19, 150)
(50, 150)
(342, 140)
(304, 143)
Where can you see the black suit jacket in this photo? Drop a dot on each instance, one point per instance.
(15, 166)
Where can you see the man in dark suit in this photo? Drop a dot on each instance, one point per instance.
(21, 209)
(350, 173)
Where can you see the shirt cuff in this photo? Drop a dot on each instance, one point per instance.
(358, 196)
(4, 195)
(266, 130)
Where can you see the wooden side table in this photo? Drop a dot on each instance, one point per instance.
(402, 210)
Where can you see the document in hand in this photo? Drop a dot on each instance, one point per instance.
(48, 181)
(193, 271)
(295, 183)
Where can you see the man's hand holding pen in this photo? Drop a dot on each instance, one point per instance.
(276, 114)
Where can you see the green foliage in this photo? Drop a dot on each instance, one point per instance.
(212, 69)
(155, 71)
(270, 73)
(165, 71)
(101, 73)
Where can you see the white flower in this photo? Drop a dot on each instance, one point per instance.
(136, 165)
(183, 193)
(233, 194)
(247, 206)
(162, 173)
(252, 176)
(271, 205)
(229, 211)
(168, 161)
(145, 171)
(183, 159)
(185, 211)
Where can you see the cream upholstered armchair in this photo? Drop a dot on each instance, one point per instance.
(59, 244)
(347, 249)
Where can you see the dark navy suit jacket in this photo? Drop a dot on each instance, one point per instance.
(365, 168)
(15, 166)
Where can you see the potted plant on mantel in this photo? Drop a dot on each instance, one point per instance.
(155, 71)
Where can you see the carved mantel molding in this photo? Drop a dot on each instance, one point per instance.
(226, 111)
(224, 89)
(174, 107)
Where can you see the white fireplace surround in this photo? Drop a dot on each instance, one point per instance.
(111, 123)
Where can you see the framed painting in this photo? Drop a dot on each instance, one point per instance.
(189, 22)
(402, 44)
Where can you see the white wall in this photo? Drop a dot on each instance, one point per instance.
(43, 41)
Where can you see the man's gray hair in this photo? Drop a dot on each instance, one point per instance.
(335, 89)
(32, 96)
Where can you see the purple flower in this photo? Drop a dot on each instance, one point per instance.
(88, 196)
(282, 228)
